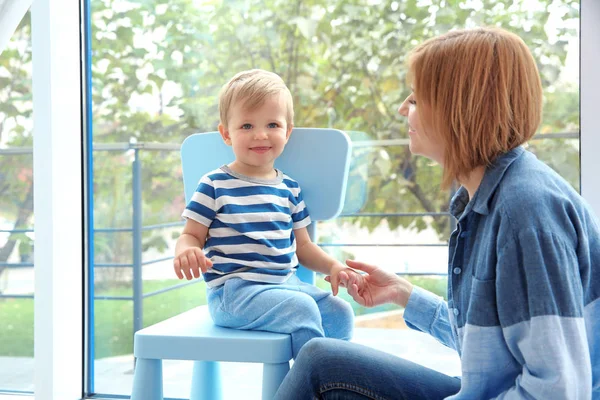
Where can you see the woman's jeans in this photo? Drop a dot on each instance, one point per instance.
(304, 311)
(333, 369)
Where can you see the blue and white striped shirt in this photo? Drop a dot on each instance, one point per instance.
(251, 225)
(523, 305)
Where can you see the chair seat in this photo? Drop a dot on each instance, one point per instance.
(193, 335)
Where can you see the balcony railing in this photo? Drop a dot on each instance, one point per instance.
(137, 227)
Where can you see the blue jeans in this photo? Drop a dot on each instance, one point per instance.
(304, 311)
(331, 369)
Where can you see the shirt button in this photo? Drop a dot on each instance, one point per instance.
(457, 270)
(456, 312)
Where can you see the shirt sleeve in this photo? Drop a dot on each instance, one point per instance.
(201, 207)
(540, 308)
(300, 216)
(428, 313)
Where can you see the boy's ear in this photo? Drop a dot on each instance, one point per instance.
(289, 132)
(225, 134)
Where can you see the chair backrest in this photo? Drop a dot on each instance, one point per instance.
(317, 158)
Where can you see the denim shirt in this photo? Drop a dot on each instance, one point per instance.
(523, 306)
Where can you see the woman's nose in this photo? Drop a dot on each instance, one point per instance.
(403, 110)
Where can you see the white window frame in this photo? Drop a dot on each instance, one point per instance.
(58, 199)
(589, 91)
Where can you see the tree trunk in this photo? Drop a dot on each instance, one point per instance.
(23, 216)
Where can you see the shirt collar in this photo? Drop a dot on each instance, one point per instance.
(460, 204)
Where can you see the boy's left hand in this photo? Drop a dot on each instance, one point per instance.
(340, 275)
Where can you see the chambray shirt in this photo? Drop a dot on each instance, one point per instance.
(523, 306)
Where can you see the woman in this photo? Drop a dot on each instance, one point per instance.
(523, 306)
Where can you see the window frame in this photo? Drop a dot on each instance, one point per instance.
(589, 95)
(59, 200)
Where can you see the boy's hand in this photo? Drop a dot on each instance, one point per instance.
(340, 275)
(377, 286)
(190, 262)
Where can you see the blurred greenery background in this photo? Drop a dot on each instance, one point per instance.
(157, 67)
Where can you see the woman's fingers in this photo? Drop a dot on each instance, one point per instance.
(353, 279)
(343, 279)
(361, 266)
(353, 291)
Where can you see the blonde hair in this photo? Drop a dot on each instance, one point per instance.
(252, 87)
(484, 92)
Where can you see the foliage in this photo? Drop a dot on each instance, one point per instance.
(158, 65)
(16, 329)
(175, 55)
(114, 319)
(348, 78)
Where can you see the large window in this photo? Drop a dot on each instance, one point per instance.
(157, 67)
(157, 70)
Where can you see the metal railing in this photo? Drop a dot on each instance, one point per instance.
(137, 218)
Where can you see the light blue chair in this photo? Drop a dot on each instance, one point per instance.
(319, 160)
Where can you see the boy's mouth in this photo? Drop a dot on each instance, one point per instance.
(262, 149)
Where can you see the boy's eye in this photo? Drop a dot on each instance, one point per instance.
(273, 125)
(247, 126)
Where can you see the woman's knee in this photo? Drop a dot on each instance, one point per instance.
(312, 357)
(320, 352)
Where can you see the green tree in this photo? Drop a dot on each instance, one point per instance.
(344, 61)
(16, 172)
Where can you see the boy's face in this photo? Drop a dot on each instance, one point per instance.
(257, 136)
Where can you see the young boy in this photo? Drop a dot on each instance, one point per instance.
(251, 220)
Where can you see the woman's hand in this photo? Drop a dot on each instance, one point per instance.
(339, 274)
(376, 287)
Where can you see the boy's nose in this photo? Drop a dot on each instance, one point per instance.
(260, 134)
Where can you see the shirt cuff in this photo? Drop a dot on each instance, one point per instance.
(302, 223)
(189, 214)
(422, 309)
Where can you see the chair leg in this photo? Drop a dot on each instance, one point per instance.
(273, 375)
(147, 380)
(206, 381)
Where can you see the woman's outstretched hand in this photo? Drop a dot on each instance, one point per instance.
(376, 287)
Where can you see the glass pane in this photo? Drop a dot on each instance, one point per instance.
(125, 242)
(157, 70)
(16, 214)
(562, 154)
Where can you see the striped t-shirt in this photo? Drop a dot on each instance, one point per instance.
(251, 225)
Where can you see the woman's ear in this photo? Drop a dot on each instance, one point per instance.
(225, 134)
